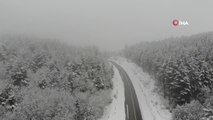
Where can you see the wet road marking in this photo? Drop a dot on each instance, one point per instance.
(127, 111)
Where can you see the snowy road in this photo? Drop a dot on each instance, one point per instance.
(150, 102)
(132, 107)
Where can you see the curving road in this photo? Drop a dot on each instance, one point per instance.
(132, 108)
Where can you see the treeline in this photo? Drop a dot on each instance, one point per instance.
(183, 69)
(48, 80)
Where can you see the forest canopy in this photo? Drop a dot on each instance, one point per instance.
(183, 69)
(48, 80)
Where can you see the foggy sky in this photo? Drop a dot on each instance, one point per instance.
(109, 24)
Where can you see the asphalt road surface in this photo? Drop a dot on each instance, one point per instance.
(132, 108)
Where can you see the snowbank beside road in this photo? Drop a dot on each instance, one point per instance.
(151, 103)
(116, 110)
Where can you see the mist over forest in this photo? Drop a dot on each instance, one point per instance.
(110, 24)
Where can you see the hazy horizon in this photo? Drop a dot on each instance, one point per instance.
(110, 24)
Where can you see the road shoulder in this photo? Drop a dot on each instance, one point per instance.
(116, 110)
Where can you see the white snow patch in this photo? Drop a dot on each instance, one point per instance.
(151, 103)
(116, 110)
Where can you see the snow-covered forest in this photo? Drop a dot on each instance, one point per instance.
(183, 70)
(47, 80)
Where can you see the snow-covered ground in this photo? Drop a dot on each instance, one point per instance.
(116, 110)
(151, 103)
